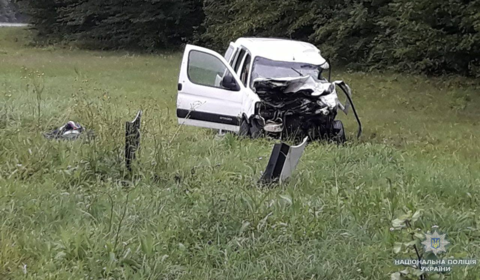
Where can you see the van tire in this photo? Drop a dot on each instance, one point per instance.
(339, 132)
(244, 130)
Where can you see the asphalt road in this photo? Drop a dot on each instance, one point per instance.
(13, 24)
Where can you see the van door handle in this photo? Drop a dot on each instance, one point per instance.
(180, 86)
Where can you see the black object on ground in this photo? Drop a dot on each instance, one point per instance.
(132, 140)
(69, 131)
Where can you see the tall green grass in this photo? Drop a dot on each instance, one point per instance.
(193, 210)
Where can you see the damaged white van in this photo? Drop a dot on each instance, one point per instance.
(260, 87)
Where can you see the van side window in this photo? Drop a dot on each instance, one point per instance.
(232, 58)
(245, 70)
(229, 53)
(239, 60)
(206, 70)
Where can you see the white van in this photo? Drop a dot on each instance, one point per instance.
(261, 86)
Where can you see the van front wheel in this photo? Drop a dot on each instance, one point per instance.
(244, 128)
(339, 132)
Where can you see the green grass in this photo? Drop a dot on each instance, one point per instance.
(68, 210)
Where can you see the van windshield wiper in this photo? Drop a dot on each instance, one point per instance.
(299, 73)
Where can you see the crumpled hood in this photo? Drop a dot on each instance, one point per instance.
(306, 85)
(303, 95)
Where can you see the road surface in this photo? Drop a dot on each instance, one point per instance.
(13, 24)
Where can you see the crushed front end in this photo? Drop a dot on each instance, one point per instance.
(299, 107)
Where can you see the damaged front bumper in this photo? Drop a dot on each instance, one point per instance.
(300, 107)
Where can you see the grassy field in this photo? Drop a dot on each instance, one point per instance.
(69, 210)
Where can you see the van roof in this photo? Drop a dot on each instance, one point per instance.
(283, 50)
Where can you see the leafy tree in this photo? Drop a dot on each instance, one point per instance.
(434, 37)
(429, 36)
(44, 16)
(143, 24)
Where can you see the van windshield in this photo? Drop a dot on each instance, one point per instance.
(271, 69)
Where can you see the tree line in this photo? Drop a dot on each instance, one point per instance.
(428, 36)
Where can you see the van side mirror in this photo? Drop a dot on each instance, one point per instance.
(329, 70)
(229, 82)
(325, 66)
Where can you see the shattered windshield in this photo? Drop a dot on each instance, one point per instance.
(266, 68)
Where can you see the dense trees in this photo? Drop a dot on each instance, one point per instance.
(135, 24)
(430, 36)
(434, 37)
